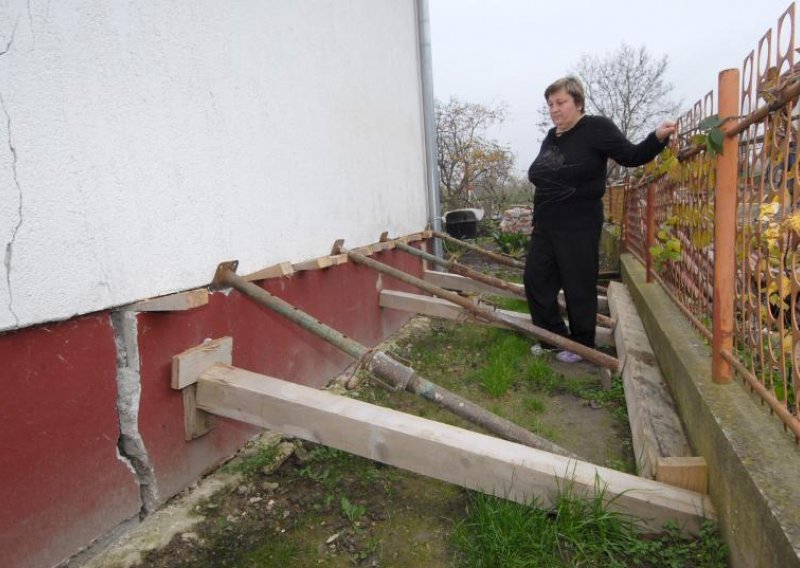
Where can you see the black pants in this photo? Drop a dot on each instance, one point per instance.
(569, 260)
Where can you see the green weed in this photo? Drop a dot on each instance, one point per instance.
(574, 531)
(251, 464)
(351, 511)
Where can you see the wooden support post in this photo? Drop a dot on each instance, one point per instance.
(725, 231)
(186, 367)
(171, 302)
(483, 463)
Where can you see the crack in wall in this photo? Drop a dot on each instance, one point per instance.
(130, 445)
(9, 251)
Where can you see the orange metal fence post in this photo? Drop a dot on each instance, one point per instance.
(650, 238)
(725, 230)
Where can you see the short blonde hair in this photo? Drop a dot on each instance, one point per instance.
(572, 86)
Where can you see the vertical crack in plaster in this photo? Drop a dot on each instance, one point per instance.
(10, 244)
(131, 447)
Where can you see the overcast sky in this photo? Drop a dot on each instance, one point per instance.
(508, 51)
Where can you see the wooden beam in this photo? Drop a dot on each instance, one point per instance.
(439, 308)
(171, 302)
(186, 367)
(275, 271)
(320, 262)
(482, 463)
(463, 284)
(656, 429)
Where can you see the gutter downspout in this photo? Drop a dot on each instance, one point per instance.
(429, 120)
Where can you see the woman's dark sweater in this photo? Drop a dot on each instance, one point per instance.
(570, 171)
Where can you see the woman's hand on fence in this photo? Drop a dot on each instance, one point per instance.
(665, 129)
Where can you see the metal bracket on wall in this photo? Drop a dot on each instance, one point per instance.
(218, 283)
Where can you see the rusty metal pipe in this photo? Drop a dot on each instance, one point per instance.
(383, 366)
(502, 259)
(458, 268)
(485, 314)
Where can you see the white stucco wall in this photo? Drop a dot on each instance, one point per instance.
(141, 143)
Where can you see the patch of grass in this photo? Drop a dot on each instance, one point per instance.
(511, 304)
(506, 354)
(278, 554)
(575, 531)
(253, 463)
(541, 375)
(533, 404)
(613, 399)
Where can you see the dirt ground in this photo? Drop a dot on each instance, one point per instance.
(297, 504)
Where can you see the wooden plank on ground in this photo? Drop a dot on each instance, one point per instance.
(171, 302)
(656, 429)
(275, 271)
(439, 308)
(441, 451)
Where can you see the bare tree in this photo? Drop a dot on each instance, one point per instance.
(471, 166)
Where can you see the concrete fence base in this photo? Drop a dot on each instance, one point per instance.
(753, 464)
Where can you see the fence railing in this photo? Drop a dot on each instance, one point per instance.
(720, 231)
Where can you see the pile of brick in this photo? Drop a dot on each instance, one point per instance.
(517, 220)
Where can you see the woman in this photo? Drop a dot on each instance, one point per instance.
(570, 178)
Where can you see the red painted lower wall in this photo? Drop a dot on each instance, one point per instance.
(62, 484)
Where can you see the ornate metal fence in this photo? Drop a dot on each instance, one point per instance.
(720, 230)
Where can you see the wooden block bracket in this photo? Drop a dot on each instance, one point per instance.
(275, 271)
(179, 301)
(186, 368)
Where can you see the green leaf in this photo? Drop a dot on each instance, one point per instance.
(716, 136)
(709, 122)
